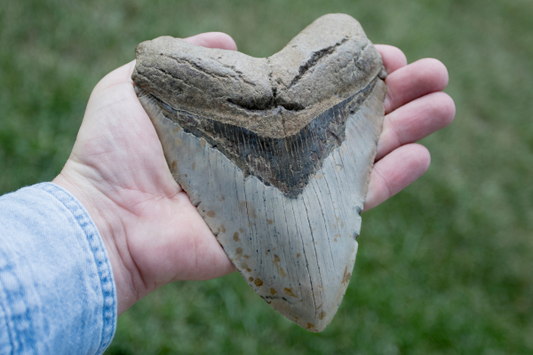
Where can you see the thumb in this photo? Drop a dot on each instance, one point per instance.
(213, 40)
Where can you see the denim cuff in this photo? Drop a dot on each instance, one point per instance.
(57, 293)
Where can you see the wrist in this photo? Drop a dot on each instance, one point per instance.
(105, 214)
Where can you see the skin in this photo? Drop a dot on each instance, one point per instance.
(152, 233)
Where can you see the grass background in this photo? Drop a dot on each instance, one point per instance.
(445, 267)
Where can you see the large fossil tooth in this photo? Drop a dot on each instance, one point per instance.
(275, 153)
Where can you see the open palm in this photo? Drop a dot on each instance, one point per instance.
(152, 233)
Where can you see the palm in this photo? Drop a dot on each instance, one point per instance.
(153, 233)
(121, 147)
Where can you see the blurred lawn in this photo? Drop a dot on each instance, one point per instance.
(446, 267)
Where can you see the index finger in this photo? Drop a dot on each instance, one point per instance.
(393, 57)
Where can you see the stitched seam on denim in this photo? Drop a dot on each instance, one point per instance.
(107, 285)
(3, 300)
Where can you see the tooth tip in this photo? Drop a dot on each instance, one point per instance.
(306, 314)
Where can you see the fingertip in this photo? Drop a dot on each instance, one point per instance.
(393, 57)
(218, 40)
(448, 107)
(435, 70)
(421, 159)
(121, 74)
(443, 110)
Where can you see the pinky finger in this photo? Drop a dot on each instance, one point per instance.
(396, 171)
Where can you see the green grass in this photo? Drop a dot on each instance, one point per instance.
(445, 267)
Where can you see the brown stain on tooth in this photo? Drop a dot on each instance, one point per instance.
(211, 214)
(288, 292)
(174, 165)
(269, 221)
(321, 315)
(347, 275)
(236, 237)
(273, 291)
(258, 282)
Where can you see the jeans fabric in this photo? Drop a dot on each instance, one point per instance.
(57, 293)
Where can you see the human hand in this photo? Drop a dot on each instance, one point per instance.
(152, 233)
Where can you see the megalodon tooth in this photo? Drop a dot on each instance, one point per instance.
(275, 153)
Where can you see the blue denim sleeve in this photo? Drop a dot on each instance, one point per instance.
(57, 293)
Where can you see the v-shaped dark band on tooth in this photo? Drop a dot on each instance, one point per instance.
(285, 163)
